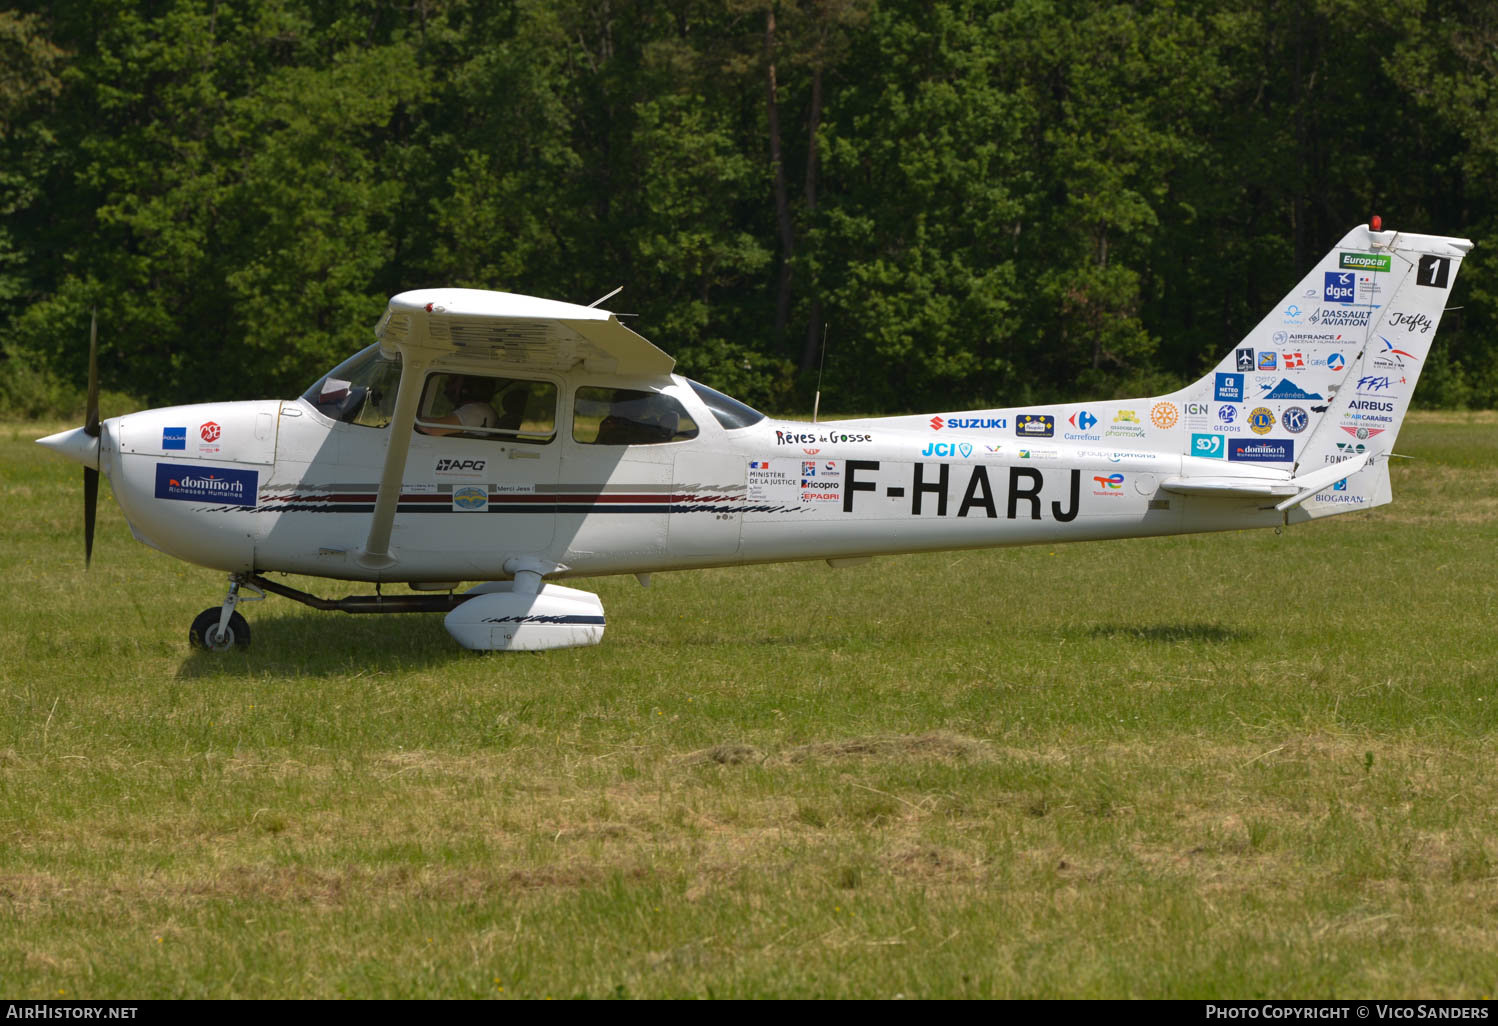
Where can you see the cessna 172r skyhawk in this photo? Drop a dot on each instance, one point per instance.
(512, 440)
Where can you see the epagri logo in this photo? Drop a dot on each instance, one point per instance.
(214, 485)
(1365, 261)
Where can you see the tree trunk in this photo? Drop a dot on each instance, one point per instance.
(782, 202)
(814, 323)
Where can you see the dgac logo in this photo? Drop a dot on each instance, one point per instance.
(447, 466)
(1082, 420)
(209, 432)
(1340, 286)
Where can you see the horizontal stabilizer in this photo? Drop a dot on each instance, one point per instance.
(1296, 489)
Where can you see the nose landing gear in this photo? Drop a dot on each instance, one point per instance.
(220, 628)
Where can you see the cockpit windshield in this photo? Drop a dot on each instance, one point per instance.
(360, 390)
(729, 411)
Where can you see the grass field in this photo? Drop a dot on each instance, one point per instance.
(1224, 765)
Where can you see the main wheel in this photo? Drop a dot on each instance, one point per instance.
(204, 632)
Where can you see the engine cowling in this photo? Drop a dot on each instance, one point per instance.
(501, 619)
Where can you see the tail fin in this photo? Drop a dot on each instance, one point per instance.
(1329, 373)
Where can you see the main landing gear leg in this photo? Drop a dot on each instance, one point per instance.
(220, 628)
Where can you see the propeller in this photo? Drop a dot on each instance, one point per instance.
(91, 428)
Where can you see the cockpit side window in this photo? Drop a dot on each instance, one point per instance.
(360, 390)
(483, 406)
(627, 416)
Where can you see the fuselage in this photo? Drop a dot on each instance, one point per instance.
(280, 486)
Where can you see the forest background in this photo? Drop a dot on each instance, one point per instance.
(980, 203)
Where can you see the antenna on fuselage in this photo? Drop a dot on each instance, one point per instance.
(816, 404)
(611, 295)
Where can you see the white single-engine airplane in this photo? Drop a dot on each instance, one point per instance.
(512, 440)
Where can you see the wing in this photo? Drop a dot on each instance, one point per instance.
(427, 325)
(541, 334)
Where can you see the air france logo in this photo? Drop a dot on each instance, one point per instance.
(1341, 287)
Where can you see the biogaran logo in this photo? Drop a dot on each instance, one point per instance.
(216, 485)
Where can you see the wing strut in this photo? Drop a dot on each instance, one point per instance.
(414, 363)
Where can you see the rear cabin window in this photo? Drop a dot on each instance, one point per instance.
(626, 416)
(481, 406)
(729, 412)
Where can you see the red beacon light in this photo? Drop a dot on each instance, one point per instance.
(1376, 223)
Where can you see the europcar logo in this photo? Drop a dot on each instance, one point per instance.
(207, 484)
(1364, 261)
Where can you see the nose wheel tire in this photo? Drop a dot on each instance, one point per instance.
(205, 633)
